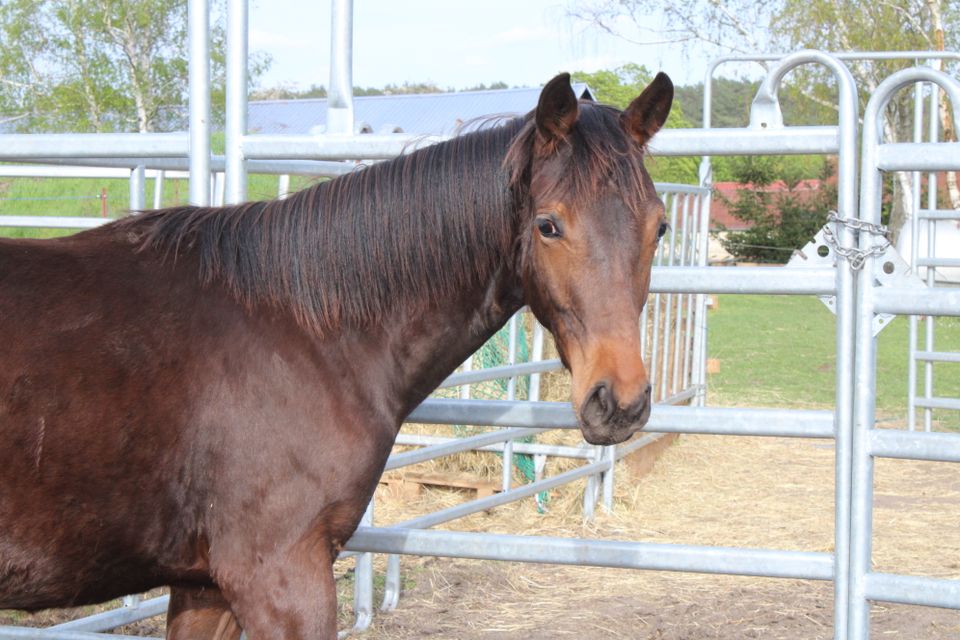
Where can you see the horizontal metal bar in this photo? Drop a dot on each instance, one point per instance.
(45, 171)
(797, 423)
(17, 146)
(332, 147)
(688, 189)
(407, 458)
(914, 445)
(217, 163)
(925, 301)
(775, 280)
(938, 214)
(495, 413)
(53, 222)
(531, 448)
(26, 633)
(596, 553)
(938, 403)
(741, 141)
(918, 156)
(495, 373)
(928, 592)
(118, 617)
(504, 497)
(938, 262)
(786, 423)
(937, 356)
(670, 142)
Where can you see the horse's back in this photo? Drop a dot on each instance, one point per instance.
(87, 325)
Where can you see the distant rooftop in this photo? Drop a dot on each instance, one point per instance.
(417, 113)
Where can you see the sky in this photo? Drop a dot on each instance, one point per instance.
(451, 43)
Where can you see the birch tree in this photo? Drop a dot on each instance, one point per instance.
(98, 65)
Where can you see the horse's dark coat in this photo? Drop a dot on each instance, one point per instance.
(205, 398)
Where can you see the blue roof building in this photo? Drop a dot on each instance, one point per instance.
(418, 113)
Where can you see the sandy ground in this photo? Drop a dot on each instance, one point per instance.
(710, 490)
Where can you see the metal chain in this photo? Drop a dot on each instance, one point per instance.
(856, 257)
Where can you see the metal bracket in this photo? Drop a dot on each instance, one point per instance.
(890, 270)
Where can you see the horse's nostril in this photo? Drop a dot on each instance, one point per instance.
(601, 403)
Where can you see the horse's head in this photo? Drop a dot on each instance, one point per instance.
(587, 250)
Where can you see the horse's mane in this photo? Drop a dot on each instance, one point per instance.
(349, 251)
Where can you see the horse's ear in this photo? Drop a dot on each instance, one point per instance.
(557, 111)
(648, 111)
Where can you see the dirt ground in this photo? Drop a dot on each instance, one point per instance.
(710, 490)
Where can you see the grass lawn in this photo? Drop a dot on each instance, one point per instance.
(81, 197)
(780, 352)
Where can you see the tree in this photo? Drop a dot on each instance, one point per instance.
(783, 214)
(743, 26)
(889, 25)
(99, 65)
(617, 87)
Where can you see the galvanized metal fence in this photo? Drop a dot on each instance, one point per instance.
(675, 332)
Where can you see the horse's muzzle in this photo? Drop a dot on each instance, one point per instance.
(603, 420)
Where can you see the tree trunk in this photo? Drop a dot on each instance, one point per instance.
(946, 116)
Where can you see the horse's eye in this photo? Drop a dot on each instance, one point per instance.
(662, 230)
(548, 228)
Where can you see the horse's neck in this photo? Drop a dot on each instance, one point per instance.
(426, 348)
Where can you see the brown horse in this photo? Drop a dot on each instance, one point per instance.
(206, 397)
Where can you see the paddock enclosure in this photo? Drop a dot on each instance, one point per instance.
(850, 265)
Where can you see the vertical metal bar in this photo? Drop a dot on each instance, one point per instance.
(536, 354)
(932, 189)
(363, 581)
(465, 389)
(283, 186)
(609, 453)
(198, 12)
(138, 185)
(236, 116)
(512, 336)
(340, 96)
(158, 189)
(507, 470)
(700, 345)
(845, 324)
(219, 188)
(392, 584)
(680, 321)
(591, 491)
(692, 309)
(912, 320)
(668, 307)
(659, 260)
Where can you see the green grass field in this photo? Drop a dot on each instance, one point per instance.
(81, 197)
(779, 352)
